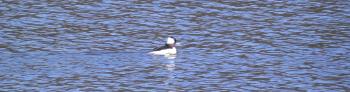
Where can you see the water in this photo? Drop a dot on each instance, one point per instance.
(101, 45)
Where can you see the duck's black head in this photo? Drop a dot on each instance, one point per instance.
(171, 41)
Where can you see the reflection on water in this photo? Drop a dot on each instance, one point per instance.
(85, 45)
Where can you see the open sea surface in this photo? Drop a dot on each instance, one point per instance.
(223, 45)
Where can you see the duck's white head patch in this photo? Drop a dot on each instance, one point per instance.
(171, 40)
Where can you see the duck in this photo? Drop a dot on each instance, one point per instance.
(167, 49)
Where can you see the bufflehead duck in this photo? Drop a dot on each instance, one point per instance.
(167, 49)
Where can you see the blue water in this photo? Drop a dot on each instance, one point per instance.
(102, 45)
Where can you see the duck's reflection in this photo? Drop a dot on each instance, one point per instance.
(170, 66)
(170, 57)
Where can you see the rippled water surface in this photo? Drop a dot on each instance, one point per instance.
(240, 45)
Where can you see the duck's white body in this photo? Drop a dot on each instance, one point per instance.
(169, 51)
